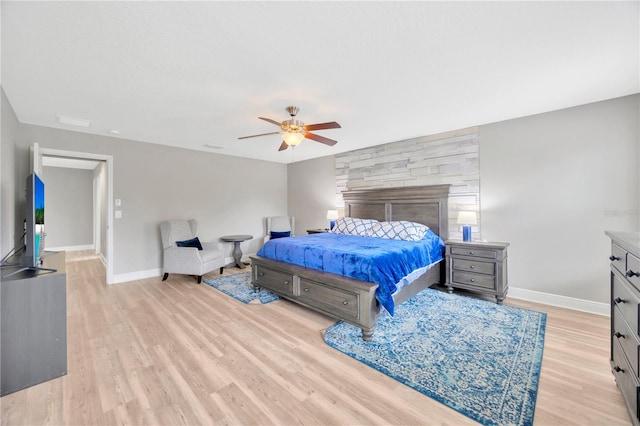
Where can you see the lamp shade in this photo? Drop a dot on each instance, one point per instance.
(332, 214)
(292, 138)
(467, 218)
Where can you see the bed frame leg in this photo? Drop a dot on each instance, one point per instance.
(367, 334)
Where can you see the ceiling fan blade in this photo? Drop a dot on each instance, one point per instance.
(271, 121)
(283, 146)
(320, 139)
(322, 126)
(261, 134)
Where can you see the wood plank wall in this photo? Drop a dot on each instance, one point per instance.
(446, 158)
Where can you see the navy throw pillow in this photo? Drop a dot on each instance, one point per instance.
(194, 242)
(280, 234)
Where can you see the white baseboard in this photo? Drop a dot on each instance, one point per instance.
(70, 248)
(561, 301)
(138, 275)
(150, 273)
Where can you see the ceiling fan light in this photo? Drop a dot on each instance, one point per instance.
(292, 138)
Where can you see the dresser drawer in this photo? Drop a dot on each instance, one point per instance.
(334, 300)
(633, 270)
(475, 280)
(474, 252)
(273, 280)
(627, 302)
(488, 268)
(629, 343)
(618, 258)
(627, 382)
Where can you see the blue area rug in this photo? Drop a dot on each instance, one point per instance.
(477, 357)
(239, 287)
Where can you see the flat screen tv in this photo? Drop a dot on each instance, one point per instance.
(34, 239)
(31, 258)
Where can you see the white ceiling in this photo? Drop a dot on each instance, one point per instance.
(194, 73)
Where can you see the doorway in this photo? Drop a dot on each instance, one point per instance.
(102, 196)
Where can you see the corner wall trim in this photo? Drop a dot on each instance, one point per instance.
(589, 306)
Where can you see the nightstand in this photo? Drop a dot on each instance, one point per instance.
(477, 266)
(316, 231)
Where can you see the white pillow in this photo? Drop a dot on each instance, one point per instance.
(353, 226)
(399, 230)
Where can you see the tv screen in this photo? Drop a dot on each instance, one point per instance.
(34, 239)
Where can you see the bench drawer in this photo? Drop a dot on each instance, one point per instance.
(273, 280)
(333, 300)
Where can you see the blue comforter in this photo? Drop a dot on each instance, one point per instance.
(377, 260)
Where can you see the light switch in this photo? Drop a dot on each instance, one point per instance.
(118, 202)
(118, 214)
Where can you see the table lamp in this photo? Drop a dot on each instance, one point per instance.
(467, 219)
(332, 215)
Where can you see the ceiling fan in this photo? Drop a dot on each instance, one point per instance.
(293, 131)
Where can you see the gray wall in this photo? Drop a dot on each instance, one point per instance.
(68, 207)
(550, 185)
(312, 191)
(227, 195)
(12, 195)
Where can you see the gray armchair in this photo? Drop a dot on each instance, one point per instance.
(280, 224)
(187, 260)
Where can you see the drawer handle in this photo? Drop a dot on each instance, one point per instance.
(618, 335)
(613, 258)
(618, 369)
(630, 273)
(346, 302)
(471, 267)
(261, 274)
(618, 300)
(306, 290)
(285, 282)
(471, 253)
(472, 280)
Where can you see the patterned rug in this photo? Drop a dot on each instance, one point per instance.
(239, 287)
(477, 357)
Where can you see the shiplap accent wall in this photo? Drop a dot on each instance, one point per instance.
(446, 158)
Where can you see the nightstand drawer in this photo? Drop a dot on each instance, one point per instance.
(474, 252)
(475, 280)
(334, 299)
(273, 280)
(488, 268)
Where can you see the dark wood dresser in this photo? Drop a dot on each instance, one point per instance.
(625, 314)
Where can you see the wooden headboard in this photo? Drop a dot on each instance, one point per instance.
(422, 204)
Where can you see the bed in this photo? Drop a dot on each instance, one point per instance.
(354, 300)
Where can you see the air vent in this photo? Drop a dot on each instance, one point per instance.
(73, 121)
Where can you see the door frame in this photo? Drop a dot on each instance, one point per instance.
(108, 159)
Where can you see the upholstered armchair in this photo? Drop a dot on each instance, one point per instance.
(188, 259)
(280, 224)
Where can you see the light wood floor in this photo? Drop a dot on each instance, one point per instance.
(174, 352)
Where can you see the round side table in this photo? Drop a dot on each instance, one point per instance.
(237, 252)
